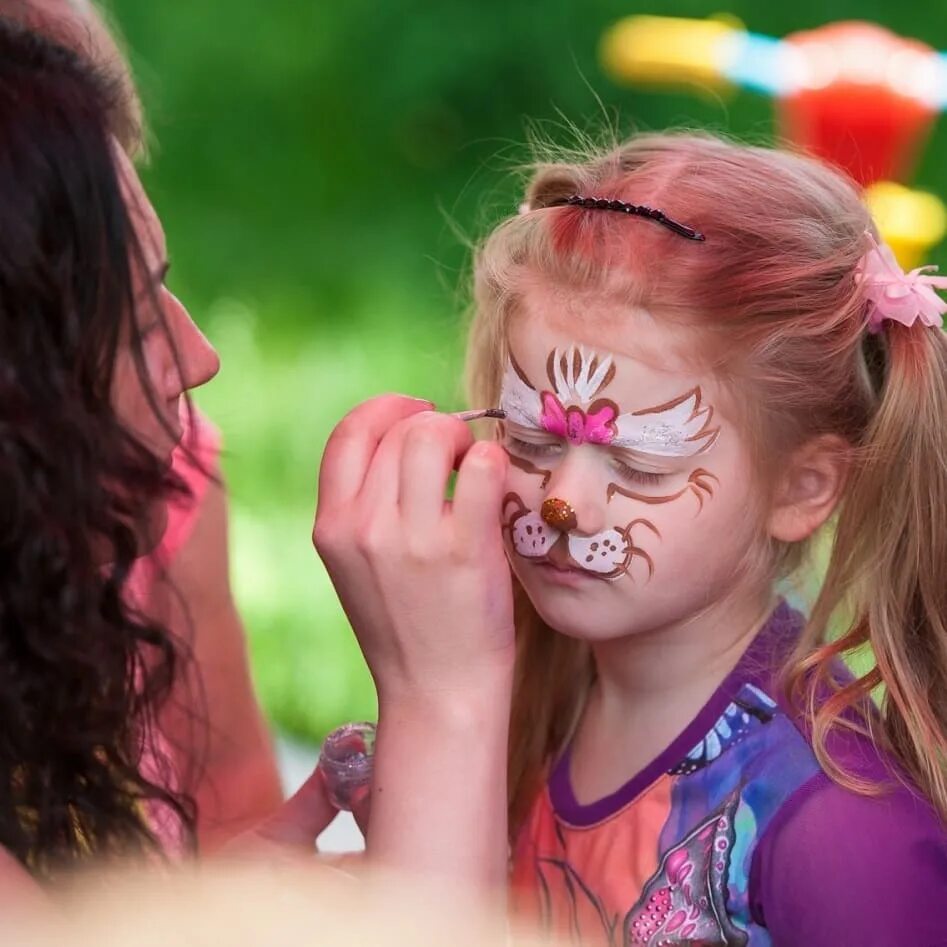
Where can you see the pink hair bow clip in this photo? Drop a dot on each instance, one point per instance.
(898, 296)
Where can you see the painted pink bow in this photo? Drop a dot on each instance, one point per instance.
(575, 425)
(898, 296)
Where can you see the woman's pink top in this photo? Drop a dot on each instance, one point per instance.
(193, 461)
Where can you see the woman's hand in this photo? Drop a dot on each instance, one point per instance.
(427, 588)
(290, 833)
(424, 581)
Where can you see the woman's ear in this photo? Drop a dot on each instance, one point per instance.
(808, 488)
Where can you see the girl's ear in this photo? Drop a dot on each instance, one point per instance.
(809, 488)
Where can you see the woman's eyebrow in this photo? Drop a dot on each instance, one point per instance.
(158, 277)
(161, 274)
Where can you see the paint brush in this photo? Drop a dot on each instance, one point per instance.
(479, 413)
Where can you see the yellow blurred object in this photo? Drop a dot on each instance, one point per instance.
(668, 50)
(728, 19)
(911, 222)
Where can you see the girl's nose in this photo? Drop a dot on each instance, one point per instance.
(571, 503)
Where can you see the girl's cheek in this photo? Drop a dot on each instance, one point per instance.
(529, 487)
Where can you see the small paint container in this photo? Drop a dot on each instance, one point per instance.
(346, 762)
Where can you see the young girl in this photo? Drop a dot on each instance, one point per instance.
(705, 355)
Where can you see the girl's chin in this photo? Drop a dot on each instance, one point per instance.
(575, 608)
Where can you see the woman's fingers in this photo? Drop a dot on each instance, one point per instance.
(433, 445)
(361, 808)
(303, 817)
(352, 445)
(478, 494)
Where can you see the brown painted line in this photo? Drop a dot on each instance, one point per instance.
(529, 467)
(694, 483)
(706, 431)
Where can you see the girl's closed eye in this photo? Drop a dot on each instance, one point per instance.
(531, 448)
(635, 475)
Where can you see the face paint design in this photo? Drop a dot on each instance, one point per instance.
(522, 463)
(679, 428)
(532, 538)
(608, 554)
(573, 411)
(698, 483)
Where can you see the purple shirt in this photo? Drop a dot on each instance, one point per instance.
(755, 844)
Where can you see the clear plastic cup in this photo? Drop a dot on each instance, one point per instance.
(346, 762)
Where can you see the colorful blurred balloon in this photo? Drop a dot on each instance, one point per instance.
(853, 93)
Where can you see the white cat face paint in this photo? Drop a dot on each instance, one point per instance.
(608, 554)
(573, 409)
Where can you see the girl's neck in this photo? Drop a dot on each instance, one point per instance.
(650, 686)
(681, 663)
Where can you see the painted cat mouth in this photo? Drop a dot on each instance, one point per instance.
(559, 557)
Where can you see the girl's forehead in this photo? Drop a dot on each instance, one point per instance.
(649, 366)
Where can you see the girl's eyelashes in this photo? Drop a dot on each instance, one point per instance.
(634, 475)
(549, 449)
(533, 449)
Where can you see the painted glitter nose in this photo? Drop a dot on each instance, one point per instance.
(558, 514)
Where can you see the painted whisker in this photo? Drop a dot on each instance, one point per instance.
(698, 483)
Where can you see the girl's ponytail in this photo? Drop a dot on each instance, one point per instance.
(886, 574)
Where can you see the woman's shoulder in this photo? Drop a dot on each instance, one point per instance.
(18, 889)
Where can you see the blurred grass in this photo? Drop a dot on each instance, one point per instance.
(277, 399)
(305, 153)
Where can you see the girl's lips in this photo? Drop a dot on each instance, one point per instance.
(563, 573)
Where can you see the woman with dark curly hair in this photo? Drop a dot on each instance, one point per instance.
(214, 736)
(96, 358)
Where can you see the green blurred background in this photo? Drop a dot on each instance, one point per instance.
(319, 169)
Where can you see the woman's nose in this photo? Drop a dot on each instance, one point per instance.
(197, 360)
(201, 362)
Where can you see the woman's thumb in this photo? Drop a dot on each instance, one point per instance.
(303, 817)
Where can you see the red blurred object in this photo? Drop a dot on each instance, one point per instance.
(856, 103)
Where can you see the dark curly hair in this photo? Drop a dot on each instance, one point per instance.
(82, 672)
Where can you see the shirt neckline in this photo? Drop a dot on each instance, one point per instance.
(756, 666)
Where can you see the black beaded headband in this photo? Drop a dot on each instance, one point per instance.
(639, 210)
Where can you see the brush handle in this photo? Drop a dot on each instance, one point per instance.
(478, 413)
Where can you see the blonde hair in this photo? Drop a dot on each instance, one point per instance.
(773, 294)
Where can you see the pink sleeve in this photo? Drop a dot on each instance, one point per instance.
(195, 462)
